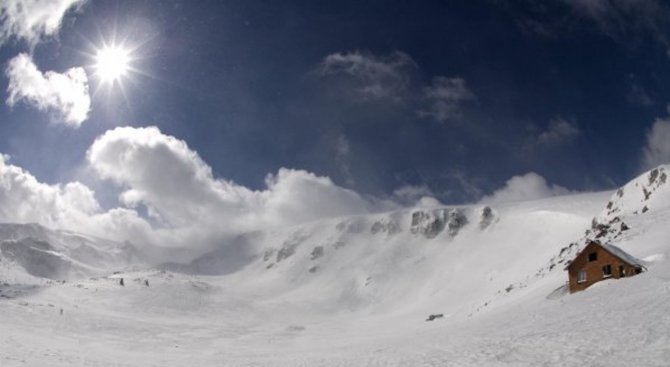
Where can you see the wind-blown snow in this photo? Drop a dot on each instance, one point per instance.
(357, 290)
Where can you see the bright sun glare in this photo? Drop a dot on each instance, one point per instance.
(112, 63)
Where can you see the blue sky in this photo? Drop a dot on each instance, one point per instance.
(389, 99)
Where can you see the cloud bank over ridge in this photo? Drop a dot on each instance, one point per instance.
(530, 186)
(185, 204)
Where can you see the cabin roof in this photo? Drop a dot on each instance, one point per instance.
(623, 255)
(614, 250)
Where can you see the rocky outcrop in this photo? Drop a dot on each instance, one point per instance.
(289, 246)
(647, 191)
(432, 223)
(385, 225)
(487, 217)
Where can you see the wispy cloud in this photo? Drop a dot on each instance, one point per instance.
(393, 77)
(415, 195)
(445, 97)
(65, 95)
(614, 16)
(375, 77)
(559, 132)
(637, 95)
(342, 156)
(31, 20)
(618, 19)
(657, 148)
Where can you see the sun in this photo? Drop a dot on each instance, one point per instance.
(112, 63)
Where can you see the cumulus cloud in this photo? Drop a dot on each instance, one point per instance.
(65, 95)
(375, 77)
(31, 20)
(164, 174)
(24, 199)
(530, 186)
(445, 97)
(188, 207)
(297, 196)
(657, 149)
(73, 206)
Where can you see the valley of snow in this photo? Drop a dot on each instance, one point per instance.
(353, 291)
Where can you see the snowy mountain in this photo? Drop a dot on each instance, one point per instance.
(357, 291)
(42, 252)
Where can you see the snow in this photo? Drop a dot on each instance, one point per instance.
(266, 299)
(621, 254)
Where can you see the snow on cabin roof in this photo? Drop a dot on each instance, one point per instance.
(621, 254)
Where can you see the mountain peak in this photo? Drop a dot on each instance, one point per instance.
(649, 191)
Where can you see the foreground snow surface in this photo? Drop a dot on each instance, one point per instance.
(365, 303)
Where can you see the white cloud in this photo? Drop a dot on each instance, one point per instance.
(26, 200)
(296, 196)
(558, 131)
(191, 208)
(530, 186)
(445, 97)
(657, 149)
(64, 95)
(376, 77)
(164, 174)
(31, 20)
(73, 206)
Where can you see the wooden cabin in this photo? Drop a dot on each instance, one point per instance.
(598, 262)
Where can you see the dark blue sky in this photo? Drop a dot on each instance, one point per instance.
(562, 89)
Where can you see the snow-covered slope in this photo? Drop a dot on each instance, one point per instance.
(34, 250)
(357, 291)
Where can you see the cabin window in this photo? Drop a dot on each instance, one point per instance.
(581, 276)
(622, 271)
(593, 256)
(607, 271)
(638, 270)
